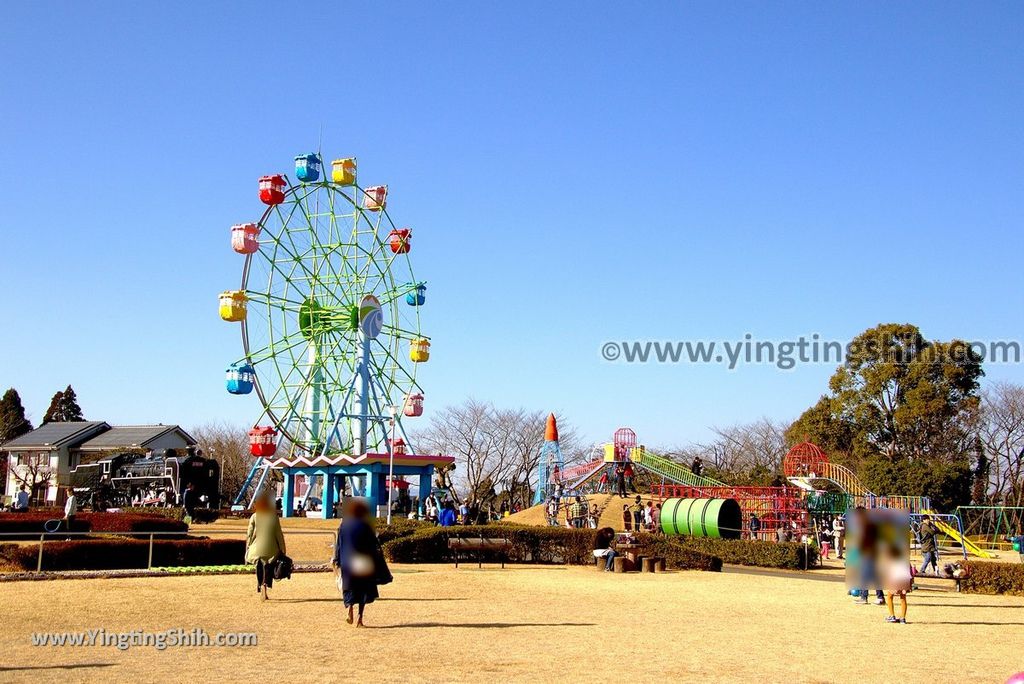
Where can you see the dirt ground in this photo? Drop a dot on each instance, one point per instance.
(435, 623)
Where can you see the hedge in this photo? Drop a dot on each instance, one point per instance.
(111, 554)
(32, 523)
(428, 544)
(993, 578)
(762, 554)
(542, 545)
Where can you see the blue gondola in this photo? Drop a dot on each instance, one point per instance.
(307, 167)
(418, 296)
(240, 378)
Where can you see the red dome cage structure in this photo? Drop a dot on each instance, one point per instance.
(804, 459)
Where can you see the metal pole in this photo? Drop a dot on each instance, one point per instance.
(391, 460)
(39, 563)
(149, 564)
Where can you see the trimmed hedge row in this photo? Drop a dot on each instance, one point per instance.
(119, 554)
(993, 578)
(32, 522)
(762, 554)
(428, 544)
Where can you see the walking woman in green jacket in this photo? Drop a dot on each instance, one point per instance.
(264, 542)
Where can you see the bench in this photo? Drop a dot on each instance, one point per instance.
(479, 545)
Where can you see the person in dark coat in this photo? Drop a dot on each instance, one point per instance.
(358, 556)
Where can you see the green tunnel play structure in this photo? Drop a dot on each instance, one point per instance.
(721, 518)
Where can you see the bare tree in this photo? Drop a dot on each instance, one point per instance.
(496, 450)
(34, 472)
(1001, 431)
(229, 445)
(746, 453)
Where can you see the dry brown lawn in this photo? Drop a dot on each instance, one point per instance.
(435, 623)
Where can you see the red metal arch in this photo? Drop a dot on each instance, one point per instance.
(803, 459)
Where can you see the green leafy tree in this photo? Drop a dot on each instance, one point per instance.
(13, 423)
(904, 411)
(823, 425)
(64, 408)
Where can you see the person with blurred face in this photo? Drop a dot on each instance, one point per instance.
(359, 559)
(264, 542)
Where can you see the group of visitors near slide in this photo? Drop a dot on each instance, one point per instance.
(358, 560)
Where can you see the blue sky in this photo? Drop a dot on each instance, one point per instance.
(574, 173)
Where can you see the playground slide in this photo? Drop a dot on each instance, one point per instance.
(576, 472)
(953, 534)
(835, 473)
(671, 470)
(587, 477)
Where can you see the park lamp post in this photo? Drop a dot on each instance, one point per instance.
(393, 410)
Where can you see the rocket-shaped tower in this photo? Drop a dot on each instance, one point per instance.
(550, 463)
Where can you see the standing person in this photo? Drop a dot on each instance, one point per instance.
(264, 542)
(649, 516)
(447, 515)
(594, 516)
(755, 526)
(190, 500)
(929, 548)
(697, 467)
(620, 481)
(21, 500)
(898, 581)
(577, 513)
(839, 535)
(463, 513)
(359, 558)
(602, 483)
(603, 547)
(656, 516)
(431, 510)
(638, 514)
(70, 509)
(782, 534)
(825, 539)
(628, 472)
(627, 518)
(552, 512)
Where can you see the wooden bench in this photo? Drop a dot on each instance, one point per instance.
(479, 545)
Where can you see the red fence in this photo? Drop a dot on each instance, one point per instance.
(774, 506)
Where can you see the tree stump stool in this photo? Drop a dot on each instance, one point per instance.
(650, 564)
(599, 563)
(623, 564)
(659, 565)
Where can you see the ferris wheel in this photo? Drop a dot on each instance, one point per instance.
(329, 311)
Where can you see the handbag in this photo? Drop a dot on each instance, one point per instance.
(283, 567)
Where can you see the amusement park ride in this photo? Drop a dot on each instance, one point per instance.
(329, 312)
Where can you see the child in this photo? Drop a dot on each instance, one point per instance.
(627, 519)
(898, 581)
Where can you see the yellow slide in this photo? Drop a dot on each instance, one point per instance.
(970, 546)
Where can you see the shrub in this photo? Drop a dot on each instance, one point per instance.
(993, 578)
(399, 527)
(737, 551)
(530, 545)
(32, 523)
(110, 554)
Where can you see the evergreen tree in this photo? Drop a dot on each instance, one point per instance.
(64, 408)
(13, 422)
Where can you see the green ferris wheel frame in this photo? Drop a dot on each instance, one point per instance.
(330, 380)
